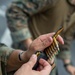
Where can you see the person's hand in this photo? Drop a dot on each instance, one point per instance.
(41, 43)
(27, 42)
(71, 69)
(26, 69)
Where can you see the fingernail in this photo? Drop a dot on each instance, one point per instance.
(51, 39)
(33, 56)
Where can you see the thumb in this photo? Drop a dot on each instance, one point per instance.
(32, 61)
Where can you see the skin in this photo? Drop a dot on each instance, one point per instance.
(73, 2)
(26, 69)
(40, 44)
(69, 68)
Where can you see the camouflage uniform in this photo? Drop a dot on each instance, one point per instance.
(42, 16)
(4, 55)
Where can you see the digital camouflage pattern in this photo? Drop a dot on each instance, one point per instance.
(18, 15)
(31, 18)
(4, 55)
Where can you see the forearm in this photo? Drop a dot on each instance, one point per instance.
(18, 24)
(66, 61)
(13, 62)
(27, 42)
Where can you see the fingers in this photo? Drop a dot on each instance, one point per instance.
(45, 42)
(60, 39)
(51, 61)
(48, 37)
(32, 61)
(46, 67)
(40, 68)
(42, 42)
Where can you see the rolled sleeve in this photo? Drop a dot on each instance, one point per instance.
(65, 52)
(64, 55)
(5, 53)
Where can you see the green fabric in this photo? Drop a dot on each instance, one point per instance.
(18, 15)
(4, 55)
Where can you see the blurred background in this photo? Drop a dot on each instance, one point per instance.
(5, 35)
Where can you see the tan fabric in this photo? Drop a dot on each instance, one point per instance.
(49, 20)
(62, 14)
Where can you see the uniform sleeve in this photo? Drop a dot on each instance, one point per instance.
(69, 36)
(18, 15)
(65, 52)
(4, 55)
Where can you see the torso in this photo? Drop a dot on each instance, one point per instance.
(51, 19)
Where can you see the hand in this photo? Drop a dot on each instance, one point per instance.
(41, 43)
(26, 69)
(71, 69)
(27, 42)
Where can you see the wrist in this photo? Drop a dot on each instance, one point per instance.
(66, 61)
(23, 56)
(27, 42)
(67, 64)
(31, 50)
